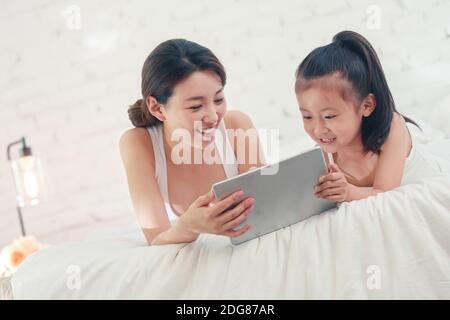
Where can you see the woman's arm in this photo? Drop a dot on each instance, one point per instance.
(174, 234)
(245, 141)
(137, 155)
(201, 217)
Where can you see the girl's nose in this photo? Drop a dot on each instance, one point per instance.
(319, 130)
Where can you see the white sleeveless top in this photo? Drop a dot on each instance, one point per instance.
(421, 162)
(223, 146)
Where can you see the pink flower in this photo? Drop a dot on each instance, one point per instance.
(13, 255)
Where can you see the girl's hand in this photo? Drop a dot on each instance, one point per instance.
(204, 216)
(333, 186)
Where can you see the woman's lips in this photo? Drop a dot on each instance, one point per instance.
(207, 134)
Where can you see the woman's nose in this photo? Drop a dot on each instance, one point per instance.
(211, 115)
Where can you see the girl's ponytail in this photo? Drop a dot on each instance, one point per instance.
(376, 127)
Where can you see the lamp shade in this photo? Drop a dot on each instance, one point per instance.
(29, 180)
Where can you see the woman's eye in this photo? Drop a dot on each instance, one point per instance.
(195, 107)
(330, 117)
(307, 117)
(218, 100)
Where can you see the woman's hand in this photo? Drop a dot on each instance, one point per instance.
(333, 186)
(205, 217)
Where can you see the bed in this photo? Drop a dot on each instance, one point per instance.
(394, 245)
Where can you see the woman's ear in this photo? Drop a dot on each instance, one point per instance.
(154, 108)
(369, 104)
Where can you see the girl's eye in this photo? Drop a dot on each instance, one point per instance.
(330, 117)
(195, 107)
(218, 100)
(307, 117)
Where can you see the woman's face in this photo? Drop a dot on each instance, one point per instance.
(197, 105)
(330, 120)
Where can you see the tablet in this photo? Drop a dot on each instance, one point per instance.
(283, 193)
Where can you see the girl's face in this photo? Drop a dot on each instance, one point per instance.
(330, 120)
(197, 105)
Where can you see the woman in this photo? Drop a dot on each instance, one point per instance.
(182, 89)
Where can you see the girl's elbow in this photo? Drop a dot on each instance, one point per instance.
(380, 189)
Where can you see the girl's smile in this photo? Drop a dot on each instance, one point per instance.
(327, 140)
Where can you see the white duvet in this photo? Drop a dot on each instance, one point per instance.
(394, 245)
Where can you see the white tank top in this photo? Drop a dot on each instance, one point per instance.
(421, 162)
(223, 146)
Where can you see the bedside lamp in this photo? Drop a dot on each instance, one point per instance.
(28, 178)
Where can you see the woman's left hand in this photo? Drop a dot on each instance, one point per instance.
(333, 186)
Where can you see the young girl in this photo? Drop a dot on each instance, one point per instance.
(349, 111)
(182, 89)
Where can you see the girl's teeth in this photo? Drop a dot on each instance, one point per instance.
(327, 140)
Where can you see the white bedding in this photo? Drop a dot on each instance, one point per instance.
(402, 236)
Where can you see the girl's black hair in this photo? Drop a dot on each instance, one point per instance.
(169, 63)
(352, 57)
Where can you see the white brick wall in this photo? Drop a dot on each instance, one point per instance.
(67, 91)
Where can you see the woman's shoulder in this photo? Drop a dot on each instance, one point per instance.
(235, 119)
(136, 143)
(135, 137)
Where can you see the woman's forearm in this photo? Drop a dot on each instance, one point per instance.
(177, 233)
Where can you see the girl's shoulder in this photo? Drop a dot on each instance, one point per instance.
(398, 137)
(398, 120)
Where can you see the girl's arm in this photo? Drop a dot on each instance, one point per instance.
(356, 193)
(391, 162)
(388, 172)
(334, 187)
(395, 150)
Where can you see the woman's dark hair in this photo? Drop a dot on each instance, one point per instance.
(352, 57)
(169, 63)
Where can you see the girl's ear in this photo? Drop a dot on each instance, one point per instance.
(369, 104)
(154, 108)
